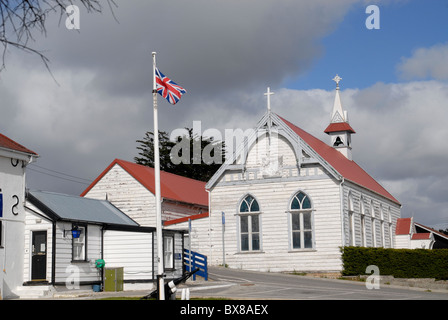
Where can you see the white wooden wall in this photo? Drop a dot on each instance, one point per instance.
(379, 231)
(130, 250)
(127, 194)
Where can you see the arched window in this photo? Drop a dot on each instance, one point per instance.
(351, 223)
(301, 212)
(249, 218)
(363, 223)
(373, 223)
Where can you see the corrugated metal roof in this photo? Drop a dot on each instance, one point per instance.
(75, 208)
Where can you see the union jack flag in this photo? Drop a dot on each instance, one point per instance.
(167, 88)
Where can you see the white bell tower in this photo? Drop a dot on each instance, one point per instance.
(339, 128)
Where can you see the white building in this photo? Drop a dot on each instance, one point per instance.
(290, 201)
(412, 235)
(13, 161)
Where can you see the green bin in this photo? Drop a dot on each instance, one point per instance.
(113, 279)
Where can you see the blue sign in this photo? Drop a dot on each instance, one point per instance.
(223, 217)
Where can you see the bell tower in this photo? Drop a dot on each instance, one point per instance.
(339, 128)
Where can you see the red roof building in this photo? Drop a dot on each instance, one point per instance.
(131, 188)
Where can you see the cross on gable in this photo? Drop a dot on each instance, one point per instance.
(268, 94)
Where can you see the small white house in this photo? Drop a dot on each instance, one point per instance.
(14, 159)
(286, 201)
(66, 235)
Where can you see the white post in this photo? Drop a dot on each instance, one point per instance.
(157, 185)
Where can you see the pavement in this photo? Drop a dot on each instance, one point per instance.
(237, 284)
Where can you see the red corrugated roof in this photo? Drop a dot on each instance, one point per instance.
(421, 236)
(339, 126)
(172, 186)
(403, 226)
(349, 169)
(8, 143)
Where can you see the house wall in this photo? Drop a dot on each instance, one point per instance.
(12, 189)
(131, 250)
(127, 194)
(67, 272)
(34, 223)
(131, 197)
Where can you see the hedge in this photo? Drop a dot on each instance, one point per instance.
(400, 263)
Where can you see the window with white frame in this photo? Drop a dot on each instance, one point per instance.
(372, 213)
(391, 234)
(168, 251)
(363, 223)
(301, 212)
(249, 222)
(383, 238)
(351, 223)
(79, 244)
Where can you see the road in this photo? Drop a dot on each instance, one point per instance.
(240, 284)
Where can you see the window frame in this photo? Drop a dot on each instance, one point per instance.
(250, 233)
(168, 264)
(76, 241)
(302, 231)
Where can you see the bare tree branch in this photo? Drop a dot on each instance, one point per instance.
(20, 19)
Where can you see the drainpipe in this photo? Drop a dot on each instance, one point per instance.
(53, 254)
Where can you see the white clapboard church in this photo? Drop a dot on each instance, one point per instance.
(286, 201)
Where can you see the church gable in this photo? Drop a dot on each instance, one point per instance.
(271, 153)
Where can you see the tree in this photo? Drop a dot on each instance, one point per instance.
(178, 157)
(19, 20)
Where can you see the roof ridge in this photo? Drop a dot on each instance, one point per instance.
(165, 172)
(340, 163)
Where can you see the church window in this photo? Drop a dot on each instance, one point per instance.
(301, 222)
(351, 223)
(373, 222)
(363, 223)
(249, 218)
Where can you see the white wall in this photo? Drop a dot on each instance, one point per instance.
(12, 183)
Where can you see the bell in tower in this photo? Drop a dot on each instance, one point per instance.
(339, 128)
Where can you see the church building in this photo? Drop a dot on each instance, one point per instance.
(287, 201)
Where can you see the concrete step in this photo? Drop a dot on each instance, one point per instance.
(34, 292)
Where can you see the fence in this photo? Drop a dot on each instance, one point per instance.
(197, 261)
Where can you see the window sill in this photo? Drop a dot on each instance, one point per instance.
(302, 250)
(249, 252)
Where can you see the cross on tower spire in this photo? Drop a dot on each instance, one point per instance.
(337, 79)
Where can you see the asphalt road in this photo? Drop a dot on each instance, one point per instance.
(239, 285)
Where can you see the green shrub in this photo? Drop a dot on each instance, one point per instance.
(400, 263)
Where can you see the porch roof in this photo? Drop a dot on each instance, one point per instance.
(74, 208)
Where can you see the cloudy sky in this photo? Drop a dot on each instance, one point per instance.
(225, 53)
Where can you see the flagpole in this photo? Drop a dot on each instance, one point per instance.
(161, 282)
